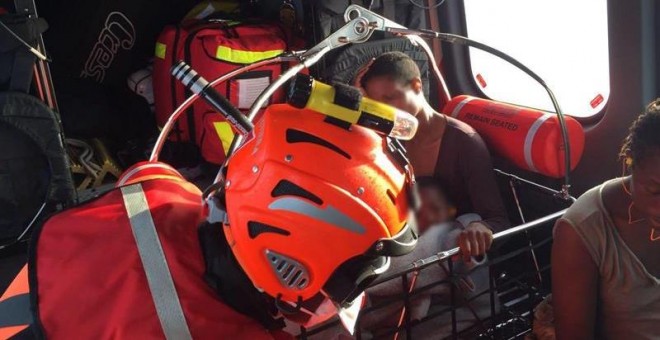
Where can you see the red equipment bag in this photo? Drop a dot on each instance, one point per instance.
(129, 265)
(529, 138)
(214, 48)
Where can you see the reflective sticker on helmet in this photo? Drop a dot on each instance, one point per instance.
(328, 215)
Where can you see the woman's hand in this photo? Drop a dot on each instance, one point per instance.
(475, 240)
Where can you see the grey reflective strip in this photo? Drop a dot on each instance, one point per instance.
(329, 215)
(529, 140)
(459, 107)
(153, 259)
(15, 311)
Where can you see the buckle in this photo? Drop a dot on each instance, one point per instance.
(217, 211)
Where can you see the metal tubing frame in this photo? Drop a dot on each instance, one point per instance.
(446, 257)
(383, 24)
(263, 97)
(443, 255)
(356, 30)
(167, 128)
(458, 39)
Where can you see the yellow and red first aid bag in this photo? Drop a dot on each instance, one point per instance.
(214, 48)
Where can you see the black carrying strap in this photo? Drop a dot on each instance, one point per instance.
(30, 116)
(27, 29)
(225, 276)
(21, 75)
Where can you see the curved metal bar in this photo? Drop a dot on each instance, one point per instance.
(457, 39)
(536, 185)
(425, 46)
(443, 255)
(381, 23)
(263, 97)
(238, 139)
(194, 97)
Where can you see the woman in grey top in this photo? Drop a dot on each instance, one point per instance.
(606, 252)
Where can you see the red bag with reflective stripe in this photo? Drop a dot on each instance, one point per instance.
(215, 48)
(96, 270)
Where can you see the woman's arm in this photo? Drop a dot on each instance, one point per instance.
(574, 285)
(477, 167)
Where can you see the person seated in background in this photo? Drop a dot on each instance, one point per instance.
(439, 230)
(605, 256)
(445, 148)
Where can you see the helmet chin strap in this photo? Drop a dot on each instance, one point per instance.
(286, 308)
(225, 276)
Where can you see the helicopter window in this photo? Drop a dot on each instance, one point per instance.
(565, 42)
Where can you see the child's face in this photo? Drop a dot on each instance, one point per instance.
(433, 210)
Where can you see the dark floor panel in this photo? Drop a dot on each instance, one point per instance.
(12, 259)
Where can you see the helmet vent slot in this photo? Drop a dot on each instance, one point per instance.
(291, 273)
(288, 271)
(287, 188)
(297, 136)
(391, 196)
(295, 277)
(257, 228)
(338, 123)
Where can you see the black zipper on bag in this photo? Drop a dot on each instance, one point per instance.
(173, 81)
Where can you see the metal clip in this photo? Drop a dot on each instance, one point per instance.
(375, 21)
(356, 30)
(217, 213)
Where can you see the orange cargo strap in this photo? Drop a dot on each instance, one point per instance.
(154, 262)
(15, 313)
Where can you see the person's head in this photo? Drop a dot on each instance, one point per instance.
(435, 207)
(314, 211)
(394, 78)
(641, 153)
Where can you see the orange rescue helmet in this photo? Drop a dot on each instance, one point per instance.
(315, 206)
